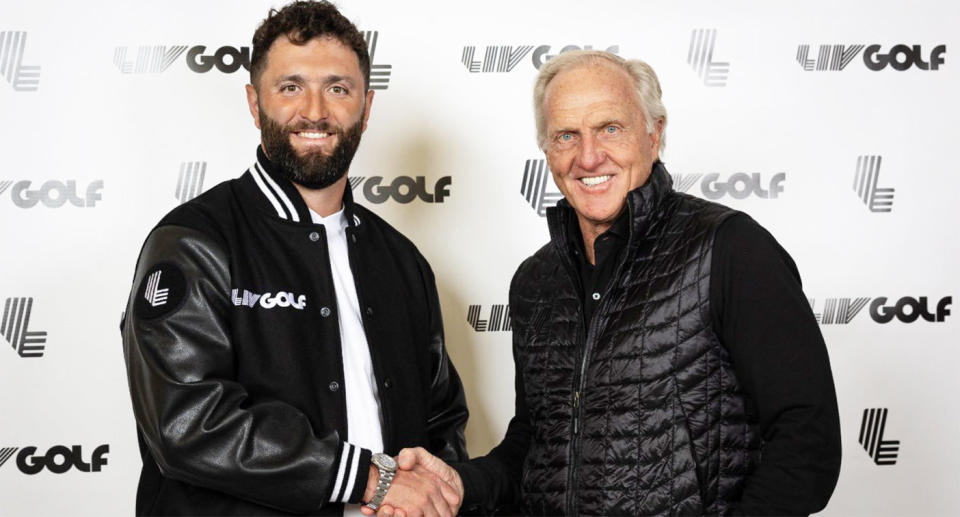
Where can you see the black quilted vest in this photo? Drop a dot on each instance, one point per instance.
(639, 413)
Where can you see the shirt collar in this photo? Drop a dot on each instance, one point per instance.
(336, 220)
(619, 231)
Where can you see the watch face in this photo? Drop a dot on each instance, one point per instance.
(384, 461)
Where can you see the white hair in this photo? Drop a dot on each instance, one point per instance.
(645, 82)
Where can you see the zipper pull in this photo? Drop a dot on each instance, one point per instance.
(576, 412)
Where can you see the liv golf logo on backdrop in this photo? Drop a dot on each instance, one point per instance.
(59, 459)
(740, 185)
(23, 78)
(504, 58)
(700, 58)
(841, 311)
(866, 185)
(402, 189)
(190, 184)
(872, 427)
(15, 328)
(156, 59)
(497, 319)
(53, 193)
(899, 57)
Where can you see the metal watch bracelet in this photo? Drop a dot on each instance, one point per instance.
(387, 468)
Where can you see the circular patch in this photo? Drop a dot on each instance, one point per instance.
(161, 291)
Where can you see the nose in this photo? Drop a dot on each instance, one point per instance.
(314, 108)
(591, 154)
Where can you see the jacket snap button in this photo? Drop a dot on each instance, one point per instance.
(353, 238)
(334, 386)
(314, 236)
(596, 296)
(388, 384)
(325, 312)
(369, 311)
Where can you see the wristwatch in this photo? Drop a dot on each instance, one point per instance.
(388, 468)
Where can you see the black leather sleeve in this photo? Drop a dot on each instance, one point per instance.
(200, 424)
(448, 403)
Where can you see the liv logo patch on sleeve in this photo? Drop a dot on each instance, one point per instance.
(161, 291)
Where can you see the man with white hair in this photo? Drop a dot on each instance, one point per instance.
(667, 360)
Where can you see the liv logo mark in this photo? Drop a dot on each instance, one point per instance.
(865, 184)
(883, 452)
(150, 59)
(829, 57)
(379, 74)
(499, 318)
(700, 58)
(154, 295)
(23, 78)
(495, 58)
(14, 328)
(840, 311)
(536, 177)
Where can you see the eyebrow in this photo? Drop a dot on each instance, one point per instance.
(608, 122)
(296, 78)
(333, 78)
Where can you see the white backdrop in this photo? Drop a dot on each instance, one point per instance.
(78, 108)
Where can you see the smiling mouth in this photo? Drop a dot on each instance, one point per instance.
(312, 135)
(595, 180)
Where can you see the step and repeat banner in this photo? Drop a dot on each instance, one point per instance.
(831, 123)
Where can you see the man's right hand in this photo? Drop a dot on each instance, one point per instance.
(414, 492)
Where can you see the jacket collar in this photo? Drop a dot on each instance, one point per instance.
(642, 204)
(281, 198)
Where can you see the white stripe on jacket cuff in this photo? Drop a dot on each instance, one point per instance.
(352, 469)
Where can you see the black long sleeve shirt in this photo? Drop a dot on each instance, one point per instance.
(762, 317)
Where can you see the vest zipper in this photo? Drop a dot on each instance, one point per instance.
(580, 379)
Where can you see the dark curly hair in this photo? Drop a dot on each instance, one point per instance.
(302, 21)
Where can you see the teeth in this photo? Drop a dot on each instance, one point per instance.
(306, 134)
(596, 180)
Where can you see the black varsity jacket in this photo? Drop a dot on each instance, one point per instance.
(233, 354)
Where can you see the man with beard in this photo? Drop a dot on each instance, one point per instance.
(279, 338)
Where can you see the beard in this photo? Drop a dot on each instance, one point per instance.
(313, 170)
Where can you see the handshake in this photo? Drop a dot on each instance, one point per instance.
(423, 486)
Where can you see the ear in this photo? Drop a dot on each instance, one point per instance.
(253, 104)
(655, 139)
(366, 109)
